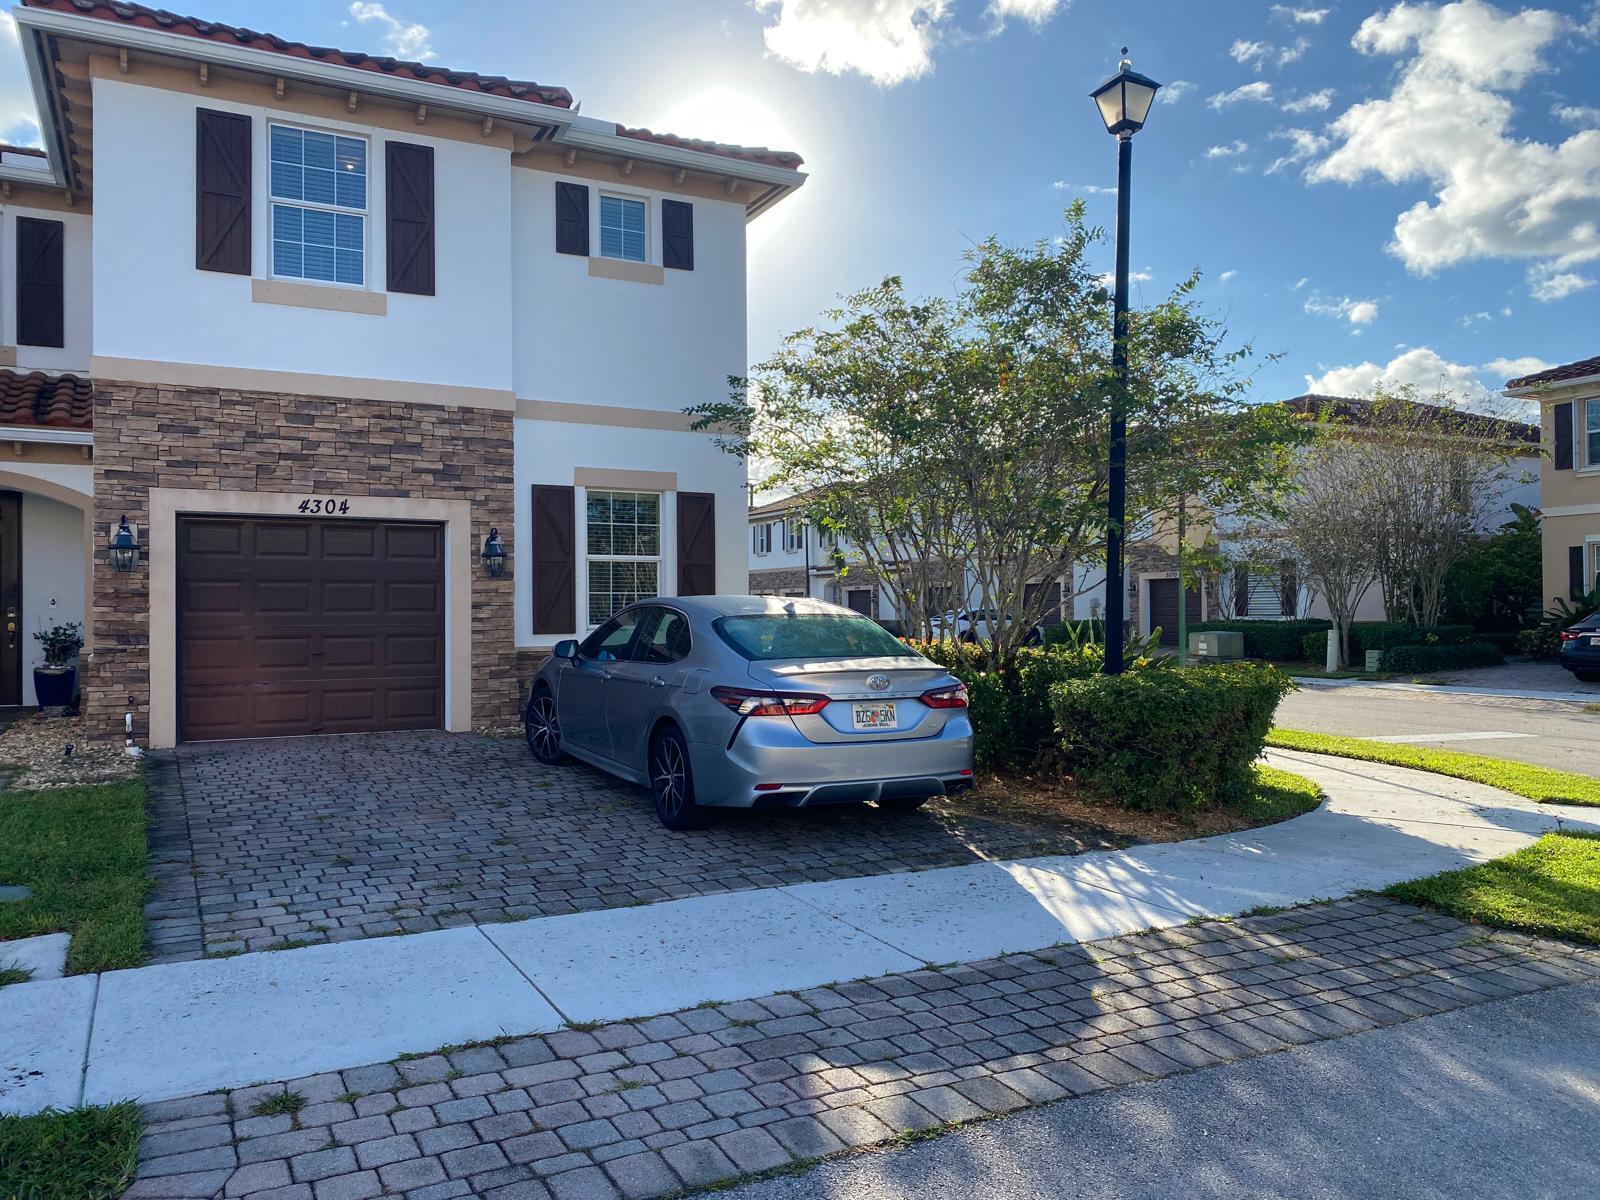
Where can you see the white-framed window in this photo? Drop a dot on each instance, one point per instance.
(623, 542)
(794, 535)
(318, 187)
(622, 226)
(761, 537)
(1591, 432)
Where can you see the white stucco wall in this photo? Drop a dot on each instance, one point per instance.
(548, 452)
(52, 576)
(587, 340)
(145, 247)
(77, 290)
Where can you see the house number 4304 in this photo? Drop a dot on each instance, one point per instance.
(325, 504)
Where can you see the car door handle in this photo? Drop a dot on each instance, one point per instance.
(658, 682)
(605, 674)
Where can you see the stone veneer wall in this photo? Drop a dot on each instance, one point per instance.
(222, 439)
(1147, 559)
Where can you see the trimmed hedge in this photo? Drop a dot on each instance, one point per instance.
(1421, 659)
(1275, 641)
(1010, 711)
(1389, 635)
(1167, 739)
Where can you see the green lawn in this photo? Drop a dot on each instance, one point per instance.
(80, 1154)
(82, 851)
(1552, 886)
(1279, 795)
(1520, 779)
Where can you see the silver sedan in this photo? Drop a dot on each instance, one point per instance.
(753, 702)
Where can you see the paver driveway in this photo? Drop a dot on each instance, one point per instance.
(259, 843)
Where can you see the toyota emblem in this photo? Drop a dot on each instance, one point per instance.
(877, 682)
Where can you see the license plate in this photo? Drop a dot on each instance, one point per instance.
(872, 716)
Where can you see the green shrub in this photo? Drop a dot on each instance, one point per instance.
(1010, 711)
(1314, 646)
(1386, 635)
(1543, 641)
(1074, 633)
(1183, 739)
(1419, 659)
(1275, 641)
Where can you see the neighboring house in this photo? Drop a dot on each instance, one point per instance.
(1569, 401)
(1261, 593)
(316, 323)
(791, 558)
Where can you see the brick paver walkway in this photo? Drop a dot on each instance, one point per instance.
(297, 840)
(675, 1103)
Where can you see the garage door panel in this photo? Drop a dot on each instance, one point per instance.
(295, 627)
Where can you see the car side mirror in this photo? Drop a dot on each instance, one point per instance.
(566, 648)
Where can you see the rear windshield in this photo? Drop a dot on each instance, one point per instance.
(808, 635)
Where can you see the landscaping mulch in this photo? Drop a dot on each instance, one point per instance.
(36, 748)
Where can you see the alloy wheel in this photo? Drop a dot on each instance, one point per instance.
(543, 729)
(668, 776)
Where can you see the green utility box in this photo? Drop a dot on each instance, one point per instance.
(1216, 645)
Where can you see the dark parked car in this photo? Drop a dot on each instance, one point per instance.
(1580, 648)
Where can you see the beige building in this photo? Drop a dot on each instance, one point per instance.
(1569, 401)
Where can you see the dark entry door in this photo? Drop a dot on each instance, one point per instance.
(860, 599)
(1164, 608)
(290, 627)
(11, 598)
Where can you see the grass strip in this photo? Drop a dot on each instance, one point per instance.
(81, 1153)
(1520, 779)
(1279, 795)
(82, 851)
(1551, 887)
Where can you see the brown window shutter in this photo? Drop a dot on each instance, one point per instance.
(572, 219)
(555, 599)
(222, 192)
(41, 299)
(677, 235)
(409, 202)
(697, 544)
(1561, 414)
(1577, 581)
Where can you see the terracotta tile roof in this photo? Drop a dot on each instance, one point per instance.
(1581, 369)
(755, 154)
(55, 401)
(1354, 409)
(166, 22)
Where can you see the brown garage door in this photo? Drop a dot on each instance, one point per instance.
(1164, 608)
(291, 627)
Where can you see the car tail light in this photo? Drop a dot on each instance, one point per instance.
(950, 697)
(748, 703)
(1570, 635)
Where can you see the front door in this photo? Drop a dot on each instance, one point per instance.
(860, 599)
(1164, 608)
(11, 597)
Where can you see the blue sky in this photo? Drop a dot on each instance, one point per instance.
(1373, 190)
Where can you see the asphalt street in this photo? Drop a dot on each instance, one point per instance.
(1500, 1100)
(1553, 733)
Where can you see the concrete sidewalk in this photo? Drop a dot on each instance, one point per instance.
(181, 1029)
(1567, 696)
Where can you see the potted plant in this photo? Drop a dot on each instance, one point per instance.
(56, 682)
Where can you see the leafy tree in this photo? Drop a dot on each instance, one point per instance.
(963, 441)
(1498, 583)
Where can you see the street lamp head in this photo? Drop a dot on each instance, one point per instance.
(1124, 100)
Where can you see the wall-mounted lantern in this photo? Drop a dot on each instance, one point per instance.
(122, 548)
(494, 555)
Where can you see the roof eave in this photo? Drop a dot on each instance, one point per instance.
(345, 78)
(1532, 391)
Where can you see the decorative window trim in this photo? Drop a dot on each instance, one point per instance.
(362, 214)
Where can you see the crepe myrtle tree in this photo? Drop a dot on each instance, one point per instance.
(963, 440)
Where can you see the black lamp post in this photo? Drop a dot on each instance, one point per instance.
(494, 555)
(1124, 101)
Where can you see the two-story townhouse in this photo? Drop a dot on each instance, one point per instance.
(383, 366)
(1569, 402)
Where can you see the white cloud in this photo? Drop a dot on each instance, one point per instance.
(1546, 284)
(1229, 151)
(1226, 275)
(1250, 53)
(1303, 144)
(888, 41)
(1108, 279)
(1447, 122)
(1310, 102)
(1422, 368)
(1175, 90)
(1512, 368)
(402, 39)
(1083, 189)
(1300, 283)
(1300, 16)
(1294, 53)
(1357, 312)
(1259, 91)
(1035, 12)
(1584, 115)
